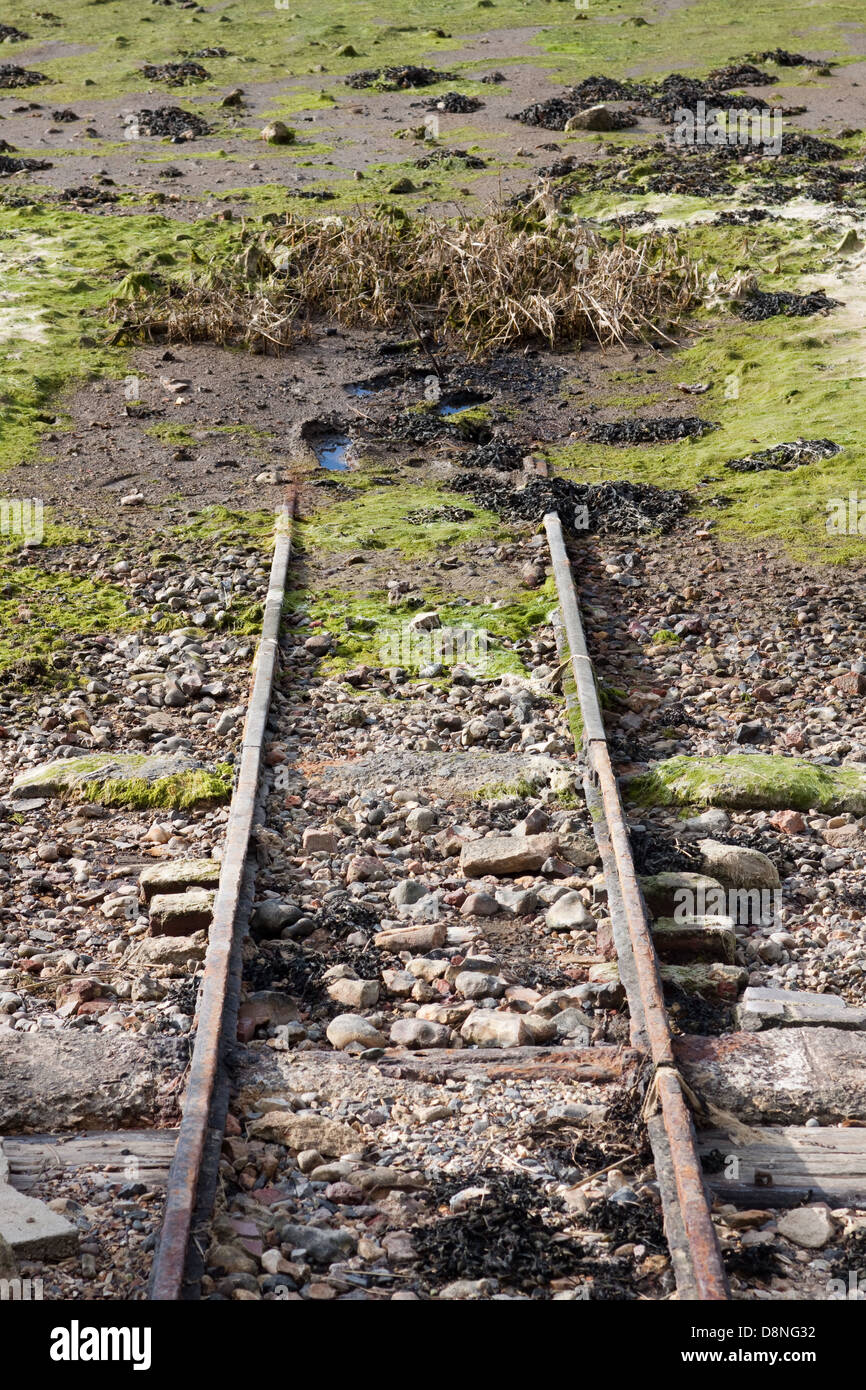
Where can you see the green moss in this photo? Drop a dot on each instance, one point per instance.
(227, 527)
(751, 782)
(370, 631)
(58, 271)
(376, 519)
(770, 382)
(267, 43)
(182, 791)
(664, 637)
(42, 612)
(472, 422)
(522, 787)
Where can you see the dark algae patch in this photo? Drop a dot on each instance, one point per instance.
(604, 508)
(765, 304)
(783, 457)
(396, 79)
(508, 1235)
(656, 431)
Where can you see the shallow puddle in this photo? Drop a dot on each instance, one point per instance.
(332, 451)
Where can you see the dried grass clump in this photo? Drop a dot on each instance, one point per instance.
(483, 283)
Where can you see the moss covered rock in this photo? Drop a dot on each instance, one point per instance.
(134, 780)
(746, 782)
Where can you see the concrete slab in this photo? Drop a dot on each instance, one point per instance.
(762, 1008)
(29, 1227)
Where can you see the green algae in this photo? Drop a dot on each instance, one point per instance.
(377, 518)
(181, 791)
(42, 612)
(368, 630)
(757, 781)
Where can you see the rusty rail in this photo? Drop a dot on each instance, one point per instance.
(689, 1228)
(210, 1035)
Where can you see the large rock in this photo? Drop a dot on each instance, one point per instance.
(354, 994)
(507, 854)
(176, 876)
(347, 1030)
(278, 133)
(68, 776)
(753, 781)
(167, 953)
(428, 937)
(808, 1227)
(490, 1028)
(419, 1032)
(737, 867)
(568, 912)
(181, 914)
(598, 117)
(299, 1132)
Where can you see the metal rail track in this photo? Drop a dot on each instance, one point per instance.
(206, 1098)
(695, 1253)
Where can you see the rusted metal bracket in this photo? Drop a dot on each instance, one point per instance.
(228, 922)
(689, 1229)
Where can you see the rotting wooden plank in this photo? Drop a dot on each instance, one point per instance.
(126, 1155)
(602, 1063)
(780, 1166)
(782, 1076)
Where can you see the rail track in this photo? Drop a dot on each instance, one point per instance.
(288, 1177)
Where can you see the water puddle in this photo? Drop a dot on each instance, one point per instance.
(456, 401)
(332, 451)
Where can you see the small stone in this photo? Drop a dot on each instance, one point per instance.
(277, 133)
(308, 1159)
(415, 1032)
(418, 940)
(474, 985)
(734, 866)
(490, 1028)
(479, 905)
(319, 841)
(809, 1227)
(355, 994)
(568, 912)
(346, 1029)
(407, 892)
